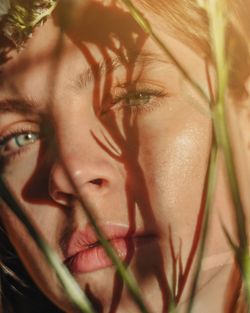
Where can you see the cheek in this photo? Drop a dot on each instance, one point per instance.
(27, 179)
(31, 257)
(18, 171)
(174, 151)
(28, 174)
(21, 240)
(48, 222)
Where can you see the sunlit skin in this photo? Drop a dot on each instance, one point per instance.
(135, 138)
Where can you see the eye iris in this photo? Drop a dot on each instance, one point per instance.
(25, 139)
(138, 99)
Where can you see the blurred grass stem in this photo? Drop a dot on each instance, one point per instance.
(218, 12)
(209, 190)
(72, 289)
(126, 276)
(145, 25)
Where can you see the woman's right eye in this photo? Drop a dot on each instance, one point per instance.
(13, 143)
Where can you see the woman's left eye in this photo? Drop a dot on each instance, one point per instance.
(138, 99)
(13, 143)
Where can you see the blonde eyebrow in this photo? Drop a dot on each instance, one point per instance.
(103, 67)
(107, 66)
(95, 72)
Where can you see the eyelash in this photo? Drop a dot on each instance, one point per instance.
(122, 96)
(11, 135)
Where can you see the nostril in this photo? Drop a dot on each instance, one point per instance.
(98, 182)
(62, 198)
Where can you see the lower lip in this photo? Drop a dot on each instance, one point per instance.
(95, 258)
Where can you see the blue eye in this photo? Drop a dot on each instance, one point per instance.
(14, 142)
(25, 139)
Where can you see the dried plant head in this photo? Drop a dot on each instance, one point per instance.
(20, 17)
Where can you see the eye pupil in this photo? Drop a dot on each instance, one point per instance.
(138, 99)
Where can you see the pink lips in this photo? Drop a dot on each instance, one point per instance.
(85, 254)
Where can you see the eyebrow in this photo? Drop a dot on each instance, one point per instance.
(105, 66)
(22, 106)
(108, 65)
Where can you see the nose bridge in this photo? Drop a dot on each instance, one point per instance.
(80, 158)
(77, 146)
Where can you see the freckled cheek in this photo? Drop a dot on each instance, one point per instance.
(18, 172)
(174, 163)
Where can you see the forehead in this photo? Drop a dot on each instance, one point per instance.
(96, 27)
(63, 48)
(96, 23)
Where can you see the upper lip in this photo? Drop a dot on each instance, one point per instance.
(86, 238)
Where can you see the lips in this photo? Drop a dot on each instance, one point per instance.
(85, 254)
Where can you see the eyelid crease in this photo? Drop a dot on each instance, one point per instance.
(141, 83)
(21, 126)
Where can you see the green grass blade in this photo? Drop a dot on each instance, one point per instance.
(72, 289)
(217, 13)
(217, 16)
(210, 187)
(127, 277)
(145, 25)
(229, 239)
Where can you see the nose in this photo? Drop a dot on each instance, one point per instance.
(91, 178)
(83, 161)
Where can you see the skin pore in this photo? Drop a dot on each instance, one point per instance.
(102, 100)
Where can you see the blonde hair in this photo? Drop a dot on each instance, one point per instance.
(189, 22)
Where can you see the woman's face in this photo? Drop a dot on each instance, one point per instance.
(102, 103)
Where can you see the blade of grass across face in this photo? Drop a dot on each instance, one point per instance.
(217, 21)
(218, 12)
(126, 276)
(217, 17)
(72, 289)
(209, 193)
(145, 25)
